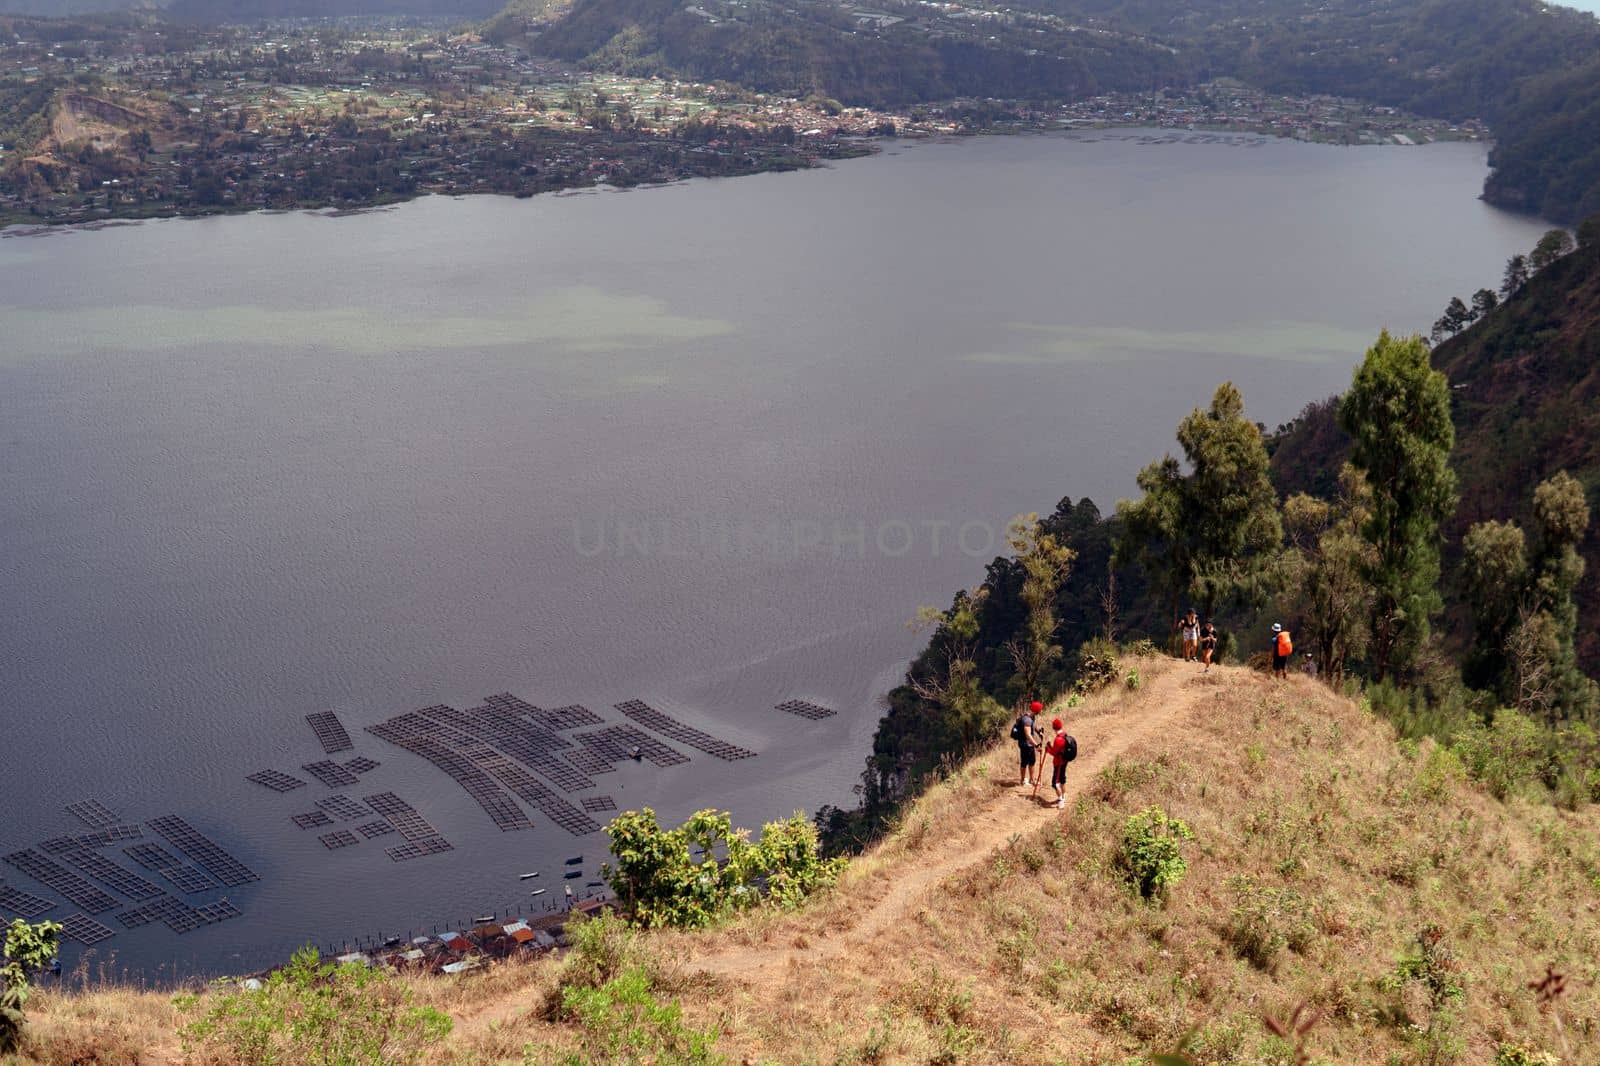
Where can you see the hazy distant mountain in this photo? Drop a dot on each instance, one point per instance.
(248, 10)
(57, 8)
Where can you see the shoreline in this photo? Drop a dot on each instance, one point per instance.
(855, 146)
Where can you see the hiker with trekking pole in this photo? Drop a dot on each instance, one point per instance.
(1062, 749)
(1025, 731)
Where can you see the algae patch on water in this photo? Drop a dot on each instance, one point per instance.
(1039, 344)
(574, 319)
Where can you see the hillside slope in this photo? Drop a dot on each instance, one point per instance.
(992, 928)
(1526, 387)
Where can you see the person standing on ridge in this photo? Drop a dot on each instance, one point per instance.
(1282, 648)
(1062, 749)
(1189, 630)
(1025, 731)
(1208, 644)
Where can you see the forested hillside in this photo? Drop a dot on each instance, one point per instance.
(1525, 385)
(1531, 71)
(913, 53)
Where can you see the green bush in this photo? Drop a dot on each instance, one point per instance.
(1097, 667)
(1509, 1054)
(1150, 854)
(27, 948)
(1266, 920)
(602, 948)
(623, 1022)
(312, 1014)
(659, 881)
(1503, 756)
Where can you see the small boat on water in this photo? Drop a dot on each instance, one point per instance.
(570, 874)
(537, 892)
(575, 860)
(524, 877)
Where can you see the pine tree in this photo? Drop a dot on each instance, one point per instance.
(1206, 533)
(1397, 413)
(1046, 562)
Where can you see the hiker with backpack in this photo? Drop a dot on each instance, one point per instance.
(1025, 731)
(1189, 632)
(1208, 644)
(1062, 749)
(1282, 648)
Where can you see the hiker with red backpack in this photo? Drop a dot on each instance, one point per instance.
(1282, 648)
(1062, 749)
(1025, 731)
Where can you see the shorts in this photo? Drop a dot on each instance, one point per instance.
(1279, 662)
(1028, 756)
(1058, 775)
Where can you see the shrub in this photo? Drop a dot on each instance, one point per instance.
(623, 1022)
(659, 882)
(1151, 854)
(27, 948)
(602, 948)
(1509, 1054)
(1265, 920)
(1503, 756)
(317, 1015)
(1097, 667)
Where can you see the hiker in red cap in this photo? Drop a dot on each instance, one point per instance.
(1062, 749)
(1025, 731)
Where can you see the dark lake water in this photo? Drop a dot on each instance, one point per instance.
(708, 445)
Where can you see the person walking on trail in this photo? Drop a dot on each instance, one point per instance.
(1025, 731)
(1062, 749)
(1189, 632)
(1282, 648)
(1208, 644)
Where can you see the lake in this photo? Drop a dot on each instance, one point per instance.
(708, 446)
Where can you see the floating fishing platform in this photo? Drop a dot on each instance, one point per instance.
(672, 729)
(117, 878)
(93, 814)
(330, 731)
(213, 859)
(344, 808)
(52, 874)
(24, 904)
(330, 773)
(84, 929)
(275, 780)
(806, 709)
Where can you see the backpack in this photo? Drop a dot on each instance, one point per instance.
(1285, 645)
(1016, 730)
(1069, 747)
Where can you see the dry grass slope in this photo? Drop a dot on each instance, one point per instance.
(992, 929)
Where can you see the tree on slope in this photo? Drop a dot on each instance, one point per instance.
(1207, 533)
(1525, 617)
(1046, 562)
(1322, 573)
(1561, 517)
(1397, 414)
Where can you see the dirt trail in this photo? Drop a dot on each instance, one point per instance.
(1171, 691)
(1165, 699)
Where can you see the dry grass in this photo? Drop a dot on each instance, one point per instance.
(1344, 844)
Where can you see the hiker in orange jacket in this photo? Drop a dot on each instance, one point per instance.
(1282, 648)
